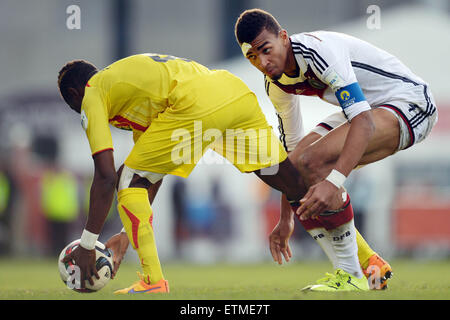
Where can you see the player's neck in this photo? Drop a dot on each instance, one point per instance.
(291, 68)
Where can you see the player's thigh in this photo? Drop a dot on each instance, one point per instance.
(304, 143)
(321, 129)
(385, 139)
(383, 143)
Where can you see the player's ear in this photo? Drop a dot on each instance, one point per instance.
(73, 93)
(284, 36)
(76, 97)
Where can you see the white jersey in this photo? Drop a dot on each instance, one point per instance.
(344, 71)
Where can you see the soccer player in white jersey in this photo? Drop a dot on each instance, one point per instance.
(385, 108)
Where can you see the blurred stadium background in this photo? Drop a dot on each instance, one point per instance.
(402, 204)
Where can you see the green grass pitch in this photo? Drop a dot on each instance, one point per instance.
(39, 279)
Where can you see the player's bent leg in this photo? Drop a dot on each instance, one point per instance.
(316, 161)
(314, 227)
(286, 179)
(136, 215)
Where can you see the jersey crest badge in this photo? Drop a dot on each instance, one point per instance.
(84, 120)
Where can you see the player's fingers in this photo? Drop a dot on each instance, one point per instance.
(289, 251)
(83, 279)
(315, 210)
(308, 208)
(279, 257)
(321, 207)
(316, 213)
(272, 245)
(276, 255)
(88, 277)
(94, 271)
(304, 210)
(285, 254)
(304, 202)
(116, 268)
(275, 251)
(272, 251)
(306, 196)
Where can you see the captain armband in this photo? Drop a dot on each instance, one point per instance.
(350, 95)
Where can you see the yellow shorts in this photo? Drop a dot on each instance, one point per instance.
(238, 130)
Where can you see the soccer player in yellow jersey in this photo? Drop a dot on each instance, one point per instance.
(176, 109)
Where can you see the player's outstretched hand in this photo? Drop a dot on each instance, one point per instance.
(85, 260)
(318, 199)
(118, 244)
(279, 241)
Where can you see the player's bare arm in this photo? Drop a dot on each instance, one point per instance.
(102, 190)
(279, 237)
(101, 196)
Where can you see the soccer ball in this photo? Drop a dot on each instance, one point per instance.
(70, 274)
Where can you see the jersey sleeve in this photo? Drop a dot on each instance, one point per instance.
(331, 63)
(95, 122)
(290, 122)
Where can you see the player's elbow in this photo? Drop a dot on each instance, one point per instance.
(112, 180)
(107, 179)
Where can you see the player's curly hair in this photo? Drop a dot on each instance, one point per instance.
(251, 22)
(74, 74)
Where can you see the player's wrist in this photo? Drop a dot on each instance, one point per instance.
(336, 178)
(88, 240)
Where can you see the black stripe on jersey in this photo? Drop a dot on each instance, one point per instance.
(305, 55)
(306, 49)
(282, 134)
(421, 116)
(266, 85)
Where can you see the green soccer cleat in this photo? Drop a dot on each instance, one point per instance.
(339, 281)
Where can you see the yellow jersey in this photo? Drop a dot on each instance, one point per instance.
(131, 92)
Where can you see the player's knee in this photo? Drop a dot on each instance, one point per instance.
(128, 179)
(139, 182)
(309, 165)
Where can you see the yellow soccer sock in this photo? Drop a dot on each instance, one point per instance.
(364, 250)
(136, 213)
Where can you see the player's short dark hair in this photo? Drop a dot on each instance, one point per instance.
(74, 74)
(251, 22)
